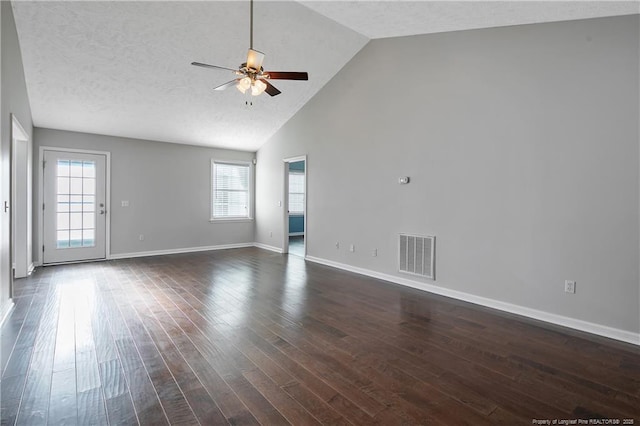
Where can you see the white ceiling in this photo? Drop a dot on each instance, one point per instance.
(123, 68)
(382, 19)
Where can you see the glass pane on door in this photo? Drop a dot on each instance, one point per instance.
(76, 206)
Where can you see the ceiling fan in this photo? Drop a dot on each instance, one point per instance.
(251, 75)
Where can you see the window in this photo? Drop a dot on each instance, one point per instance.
(231, 195)
(76, 210)
(296, 192)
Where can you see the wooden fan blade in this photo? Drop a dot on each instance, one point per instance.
(254, 59)
(199, 64)
(227, 84)
(286, 75)
(271, 89)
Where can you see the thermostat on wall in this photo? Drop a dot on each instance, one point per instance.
(403, 180)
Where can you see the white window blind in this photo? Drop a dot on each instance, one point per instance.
(231, 186)
(296, 192)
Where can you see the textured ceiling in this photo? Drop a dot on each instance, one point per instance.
(122, 68)
(381, 19)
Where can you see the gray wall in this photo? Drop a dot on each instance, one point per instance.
(168, 188)
(14, 101)
(522, 148)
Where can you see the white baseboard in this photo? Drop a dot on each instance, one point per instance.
(5, 310)
(296, 234)
(267, 247)
(589, 327)
(32, 268)
(177, 251)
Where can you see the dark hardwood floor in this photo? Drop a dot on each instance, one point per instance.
(248, 336)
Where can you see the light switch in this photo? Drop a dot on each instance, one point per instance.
(125, 203)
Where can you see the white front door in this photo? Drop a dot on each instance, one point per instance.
(75, 211)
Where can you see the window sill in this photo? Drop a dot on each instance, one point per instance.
(231, 220)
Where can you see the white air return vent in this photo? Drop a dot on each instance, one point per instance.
(417, 255)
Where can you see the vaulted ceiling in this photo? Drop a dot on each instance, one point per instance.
(123, 68)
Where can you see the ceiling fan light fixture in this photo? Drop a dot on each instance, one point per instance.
(258, 87)
(254, 59)
(251, 75)
(244, 84)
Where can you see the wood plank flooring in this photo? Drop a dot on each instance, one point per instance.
(247, 337)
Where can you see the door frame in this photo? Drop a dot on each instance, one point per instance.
(285, 206)
(107, 230)
(21, 204)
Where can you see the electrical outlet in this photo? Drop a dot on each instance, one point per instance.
(125, 203)
(141, 237)
(352, 248)
(271, 234)
(337, 245)
(374, 253)
(569, 286)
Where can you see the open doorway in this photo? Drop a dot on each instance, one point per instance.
(21, 205)
(296, 201)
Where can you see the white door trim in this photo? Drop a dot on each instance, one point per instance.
(107, 155)
(285, 206)
(20, 205)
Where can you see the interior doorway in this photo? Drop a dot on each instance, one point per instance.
(21, 204)
(295, 217)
